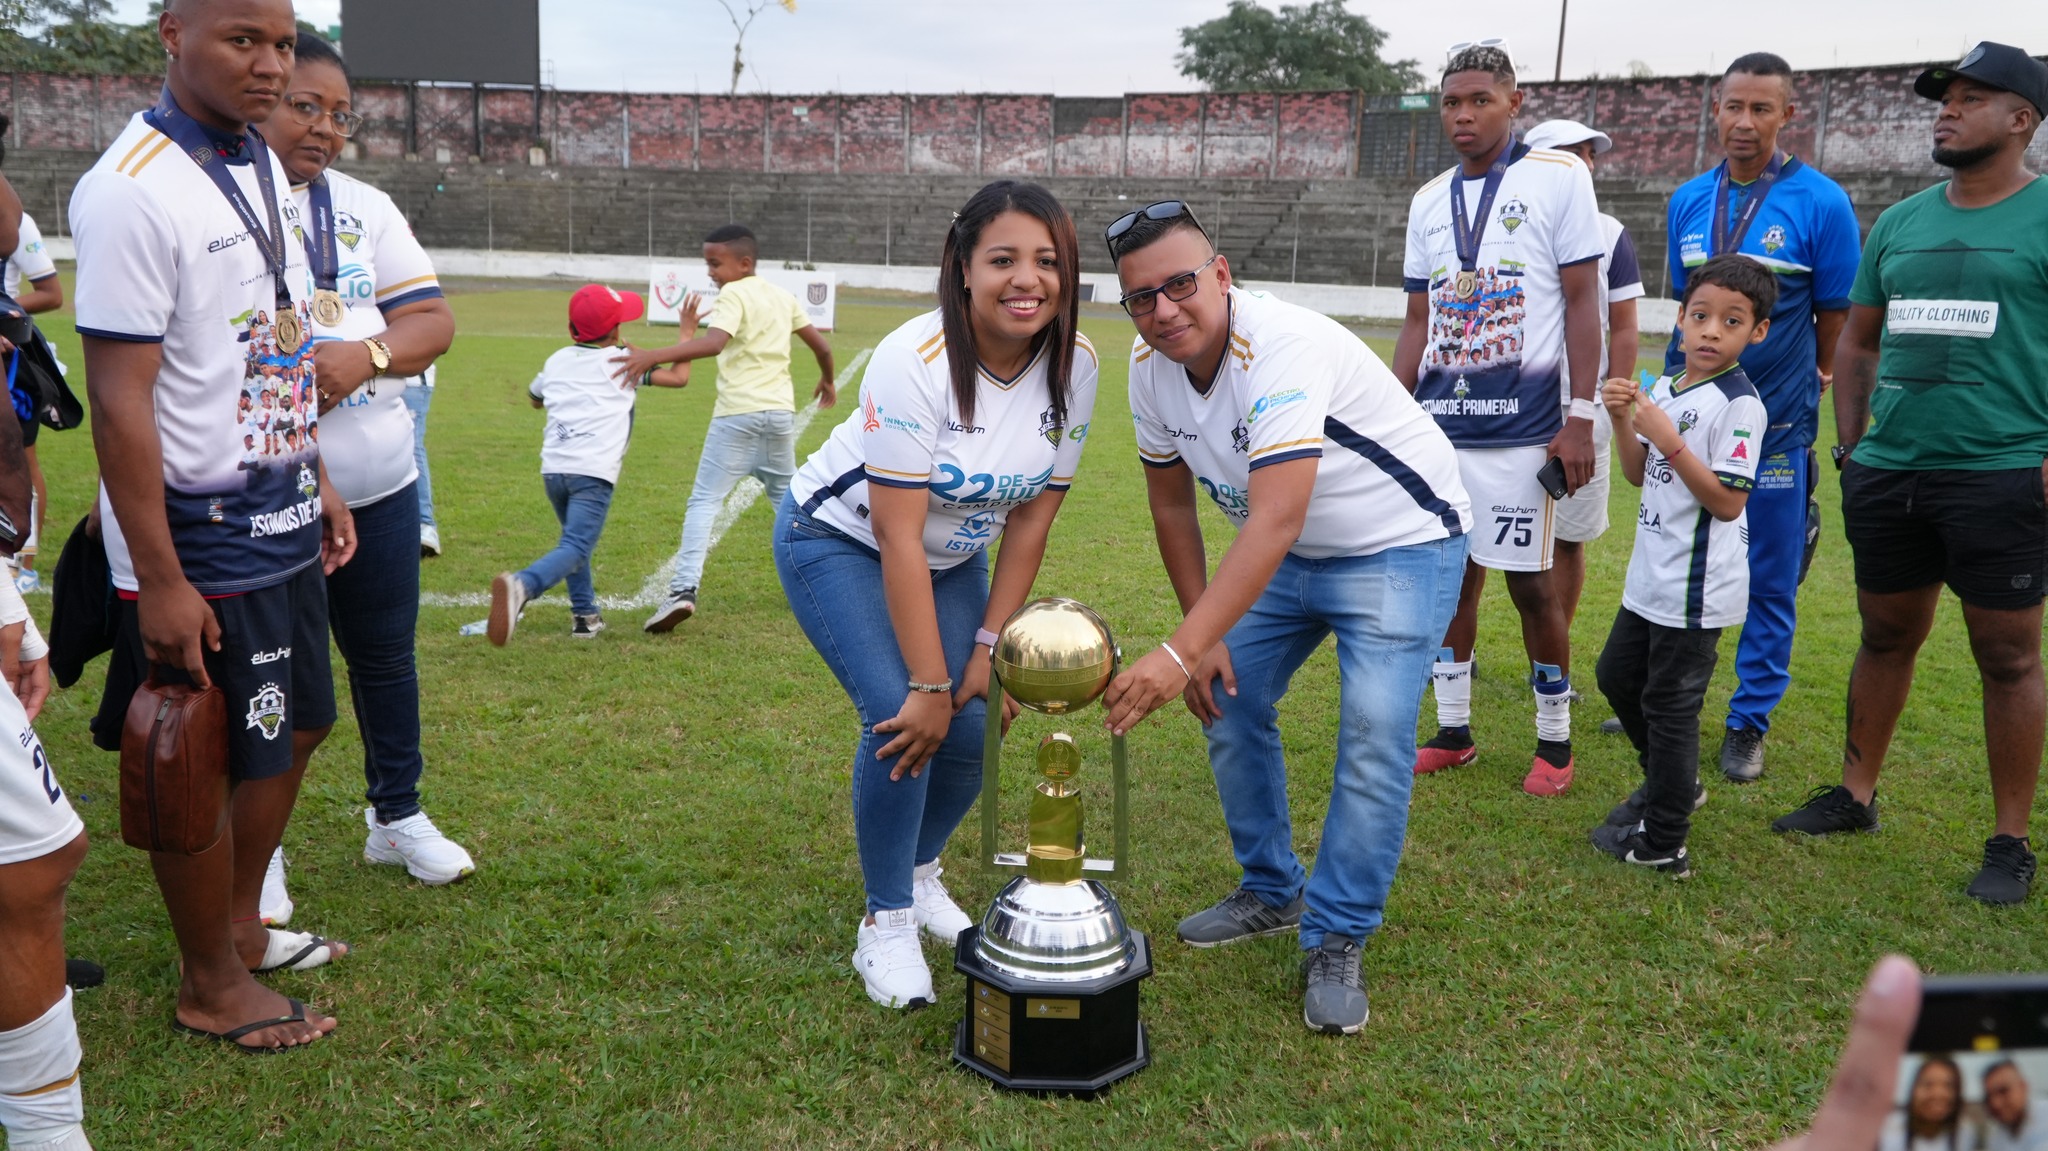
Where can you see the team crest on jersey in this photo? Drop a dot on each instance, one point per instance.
(1241, 438)
(1513, 214)
(309, 485)
(1687, 420)
(1049, 426)
(348, 228)
(1462, 389)
(1774, 238)
(266, 710)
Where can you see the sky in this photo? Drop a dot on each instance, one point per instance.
(1108, 47)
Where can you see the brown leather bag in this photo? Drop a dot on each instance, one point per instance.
(174, 768)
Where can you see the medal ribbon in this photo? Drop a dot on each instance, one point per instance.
(1467, 235)
(320, 253)
(1727, 236)
(190, 136)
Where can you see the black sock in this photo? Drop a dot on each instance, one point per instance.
(1555, 752)
(1451, 738)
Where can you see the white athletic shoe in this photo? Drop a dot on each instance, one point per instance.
(679, 606)
(933, 909)
(430, 541)
(890, 961)
(276, 905)
(432, 858)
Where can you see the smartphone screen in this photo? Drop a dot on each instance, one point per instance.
(1976, 1075)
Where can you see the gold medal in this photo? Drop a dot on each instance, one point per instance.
(290, 335)
(1468, 285)
(327, 308)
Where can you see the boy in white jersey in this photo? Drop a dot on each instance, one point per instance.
(1350, 521)
(1691, 443)
(590, 419)
(1504, 252)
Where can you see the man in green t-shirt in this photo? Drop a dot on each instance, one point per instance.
(1943, 429)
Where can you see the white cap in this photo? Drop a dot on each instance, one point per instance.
(1564, 134)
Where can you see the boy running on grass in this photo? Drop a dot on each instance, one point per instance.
(753, 425)
(590, 418)
(1690, 442)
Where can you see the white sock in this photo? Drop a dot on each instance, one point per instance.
(1453, 683)
(41, 1105)
(1553, 703)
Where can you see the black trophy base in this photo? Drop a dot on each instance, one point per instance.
(1026, 1034)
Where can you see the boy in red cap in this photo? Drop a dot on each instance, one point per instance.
(590, 418)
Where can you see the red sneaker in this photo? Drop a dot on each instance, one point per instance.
(1544, 778)
(1430, 758)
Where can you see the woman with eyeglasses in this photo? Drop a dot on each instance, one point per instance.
(969, 428)
(379, 322)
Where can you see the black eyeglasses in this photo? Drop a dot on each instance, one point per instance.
(1179, 288)
(1163, 210)
(307, 113)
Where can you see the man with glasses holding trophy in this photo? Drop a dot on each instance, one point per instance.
(1290, 425)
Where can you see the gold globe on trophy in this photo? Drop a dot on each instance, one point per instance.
(1053, 970)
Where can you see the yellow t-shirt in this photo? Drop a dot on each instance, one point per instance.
(753, 370)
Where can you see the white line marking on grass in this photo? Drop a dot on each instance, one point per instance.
(654, 588)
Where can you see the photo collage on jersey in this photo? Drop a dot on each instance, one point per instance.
(278, 409)
(1482, 332)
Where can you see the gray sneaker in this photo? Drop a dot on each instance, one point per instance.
(1241, 915)
(1335, 1003)
(679, 606)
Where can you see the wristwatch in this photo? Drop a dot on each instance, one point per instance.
(1840, 454)
(380, 355)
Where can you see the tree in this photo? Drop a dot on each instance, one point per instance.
(1301, 47)
(76, 36)
(739, 27)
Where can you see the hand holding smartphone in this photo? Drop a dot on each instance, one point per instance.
(1551, 476)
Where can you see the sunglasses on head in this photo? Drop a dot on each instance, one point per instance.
(1163, 210)
(1496, 42)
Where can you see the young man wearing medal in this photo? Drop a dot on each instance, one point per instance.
(1773, 208)
(191, 287)
(1511, 236)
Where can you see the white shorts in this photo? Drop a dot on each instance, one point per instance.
(1582, 515)
(1513, 518)
(35, 817)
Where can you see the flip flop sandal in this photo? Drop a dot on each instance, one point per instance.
(233, 1038)
(296, 951)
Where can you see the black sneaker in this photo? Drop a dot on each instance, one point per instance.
(1742, 754)
(1335, 1002)
(81, 974)
(1610, 726)
(2008, 871)
(1240, 915)
(585, 626)
(1632, 845)
(1630, 811)
(1829, 809)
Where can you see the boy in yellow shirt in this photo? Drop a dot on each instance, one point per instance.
(753, 424)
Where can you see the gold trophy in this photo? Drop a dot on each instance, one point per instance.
(1052, 970)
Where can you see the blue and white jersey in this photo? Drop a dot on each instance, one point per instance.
(907, 432)
(1297, 385)
(1689, 569)
(1493, 369)
(1806, 232)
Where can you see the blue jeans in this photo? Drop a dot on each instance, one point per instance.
(417, 397)
(1389, 612)
(1777, 537)
(834, 586)
(581, 504)
(373, 611)
(757, 444)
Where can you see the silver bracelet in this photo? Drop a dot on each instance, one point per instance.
(1177, 660)
(932, 688)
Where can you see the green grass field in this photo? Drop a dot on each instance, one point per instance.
(653, 952)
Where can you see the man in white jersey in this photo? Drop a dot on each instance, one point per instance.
(42, 841)
(1350, 519)
(1582, 516)
(1503, 265)
(190, 283)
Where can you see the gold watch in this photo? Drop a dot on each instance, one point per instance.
(380, 356)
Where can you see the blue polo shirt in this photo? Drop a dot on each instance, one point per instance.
(1806, 232)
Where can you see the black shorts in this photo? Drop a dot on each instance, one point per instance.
(1984, 534)
(272, 666)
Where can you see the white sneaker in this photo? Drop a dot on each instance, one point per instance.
(28, 582)
(430, 541)
(508, 599)
(890, 961)
(679, 606)
(432, 858)
(935, 910)
(276, 905)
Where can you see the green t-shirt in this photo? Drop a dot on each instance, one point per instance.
(1962, 372)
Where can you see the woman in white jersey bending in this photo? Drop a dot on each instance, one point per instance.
(379, 321)
(970, 424)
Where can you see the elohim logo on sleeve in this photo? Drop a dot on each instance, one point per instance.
(266, 710)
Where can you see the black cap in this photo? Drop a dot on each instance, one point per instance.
(2000, 66)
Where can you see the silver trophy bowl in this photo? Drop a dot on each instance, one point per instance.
(1055, 932)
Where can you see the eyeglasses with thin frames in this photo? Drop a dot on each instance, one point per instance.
(307, 114)
(1142, 303)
